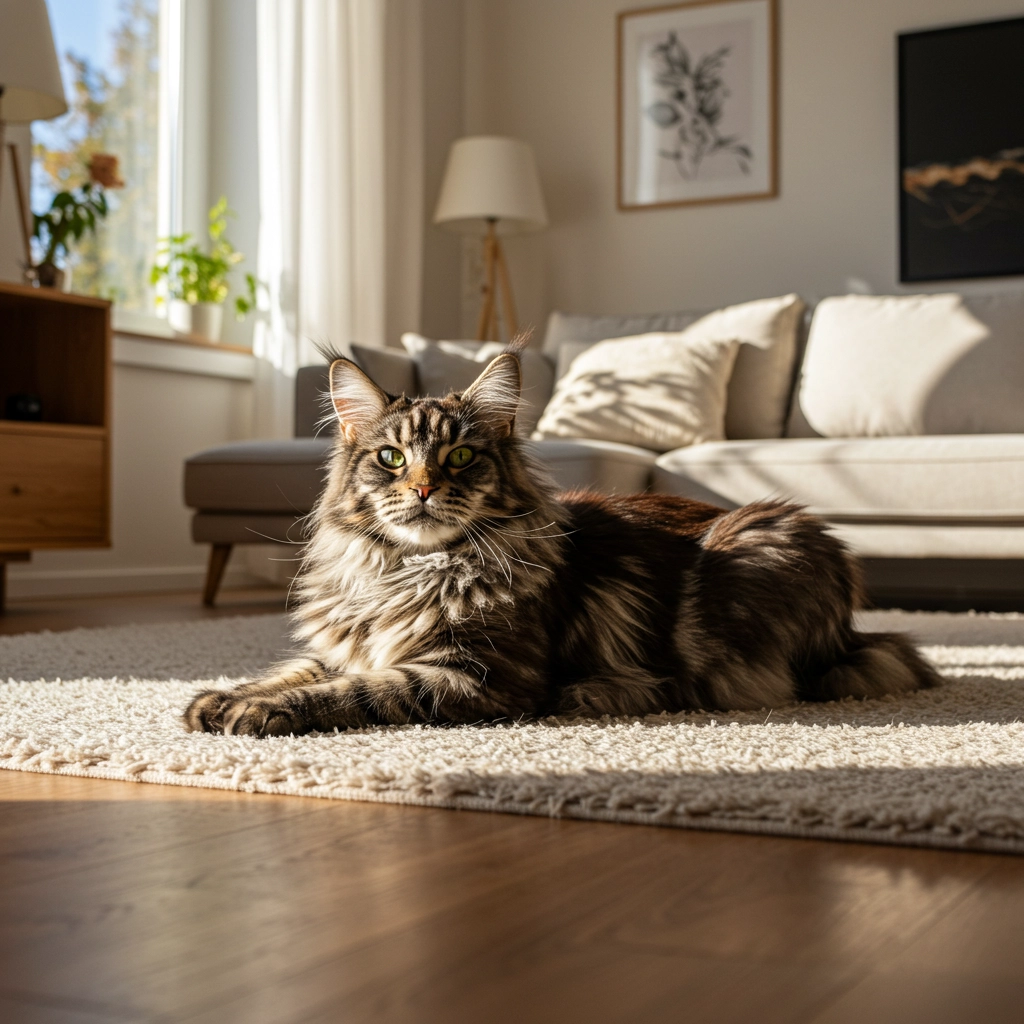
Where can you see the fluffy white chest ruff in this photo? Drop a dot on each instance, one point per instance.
(366, 607)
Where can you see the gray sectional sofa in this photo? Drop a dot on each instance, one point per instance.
(938, 514)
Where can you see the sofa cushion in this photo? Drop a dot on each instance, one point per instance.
(389, 368)
(596, 465)
(975, 478)
(565, 327)
(444, 366)
(257, 476)
(762, 377)
(913, 365)
(655, 391)
(392, 370)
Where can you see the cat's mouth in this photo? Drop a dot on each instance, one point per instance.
(425, 517)
(418, 514)
(423, 530)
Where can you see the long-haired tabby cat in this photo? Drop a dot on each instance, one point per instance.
(446, 582)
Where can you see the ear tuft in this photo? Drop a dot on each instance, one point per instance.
(356, 399)
(495, 393)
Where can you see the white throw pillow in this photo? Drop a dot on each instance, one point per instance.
(658, 391)
(762, 376)
(894, 366)
(445, 366)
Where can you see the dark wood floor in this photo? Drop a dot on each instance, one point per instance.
(123, 902)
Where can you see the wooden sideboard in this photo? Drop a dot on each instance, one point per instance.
(55, 472)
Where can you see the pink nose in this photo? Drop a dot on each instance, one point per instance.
(424, 491)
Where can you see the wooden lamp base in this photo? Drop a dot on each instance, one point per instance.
(496, 277)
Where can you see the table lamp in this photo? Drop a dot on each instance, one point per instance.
(491, 188)
(30, 84)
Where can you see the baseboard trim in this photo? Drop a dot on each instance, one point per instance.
(25, 583)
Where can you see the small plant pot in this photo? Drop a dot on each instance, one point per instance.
(204, 319)
(207, 320)
(49, 275)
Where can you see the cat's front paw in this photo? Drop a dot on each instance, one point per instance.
(238, 714)
(271, 715)
(205, 713)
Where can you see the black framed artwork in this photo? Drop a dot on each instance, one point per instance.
(961, 148)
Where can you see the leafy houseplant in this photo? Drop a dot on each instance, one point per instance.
(70, 216)
(197, 280)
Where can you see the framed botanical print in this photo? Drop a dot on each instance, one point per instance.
(961, 183)
(697, 119)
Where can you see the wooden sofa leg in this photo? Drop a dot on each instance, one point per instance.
(219, 555)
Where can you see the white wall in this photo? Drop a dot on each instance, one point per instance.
(544, 70)
(443, 119)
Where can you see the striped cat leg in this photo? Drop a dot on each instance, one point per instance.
(396, 696)
(206, 711)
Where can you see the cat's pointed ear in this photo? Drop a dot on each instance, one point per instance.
(495, 393)
(356, 399)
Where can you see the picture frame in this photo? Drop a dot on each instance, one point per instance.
(961, 152)
(697, 103)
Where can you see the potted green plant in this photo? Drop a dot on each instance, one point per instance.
(70, 216)
(197, 280)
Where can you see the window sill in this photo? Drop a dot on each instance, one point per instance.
(182, 354)
(174, 338)
(148, 327)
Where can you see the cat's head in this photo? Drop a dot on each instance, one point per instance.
(422, 471)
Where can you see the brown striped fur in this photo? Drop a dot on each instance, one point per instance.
(493, 598)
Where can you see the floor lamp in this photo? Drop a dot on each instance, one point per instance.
(30, 86)
(491, 188)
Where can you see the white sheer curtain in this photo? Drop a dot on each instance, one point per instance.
(341, 184)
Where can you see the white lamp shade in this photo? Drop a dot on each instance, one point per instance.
(491, 178)
(29, 71)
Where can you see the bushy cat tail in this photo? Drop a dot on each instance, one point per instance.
(876, 664)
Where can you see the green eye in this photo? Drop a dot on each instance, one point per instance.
(391, 457)
(459, 457)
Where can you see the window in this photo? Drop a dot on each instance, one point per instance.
(118, 93)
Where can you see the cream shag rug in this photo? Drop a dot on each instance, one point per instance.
(941, 768)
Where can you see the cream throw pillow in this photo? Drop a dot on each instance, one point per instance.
(903, 365)
(762, 377)
(658, 391)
